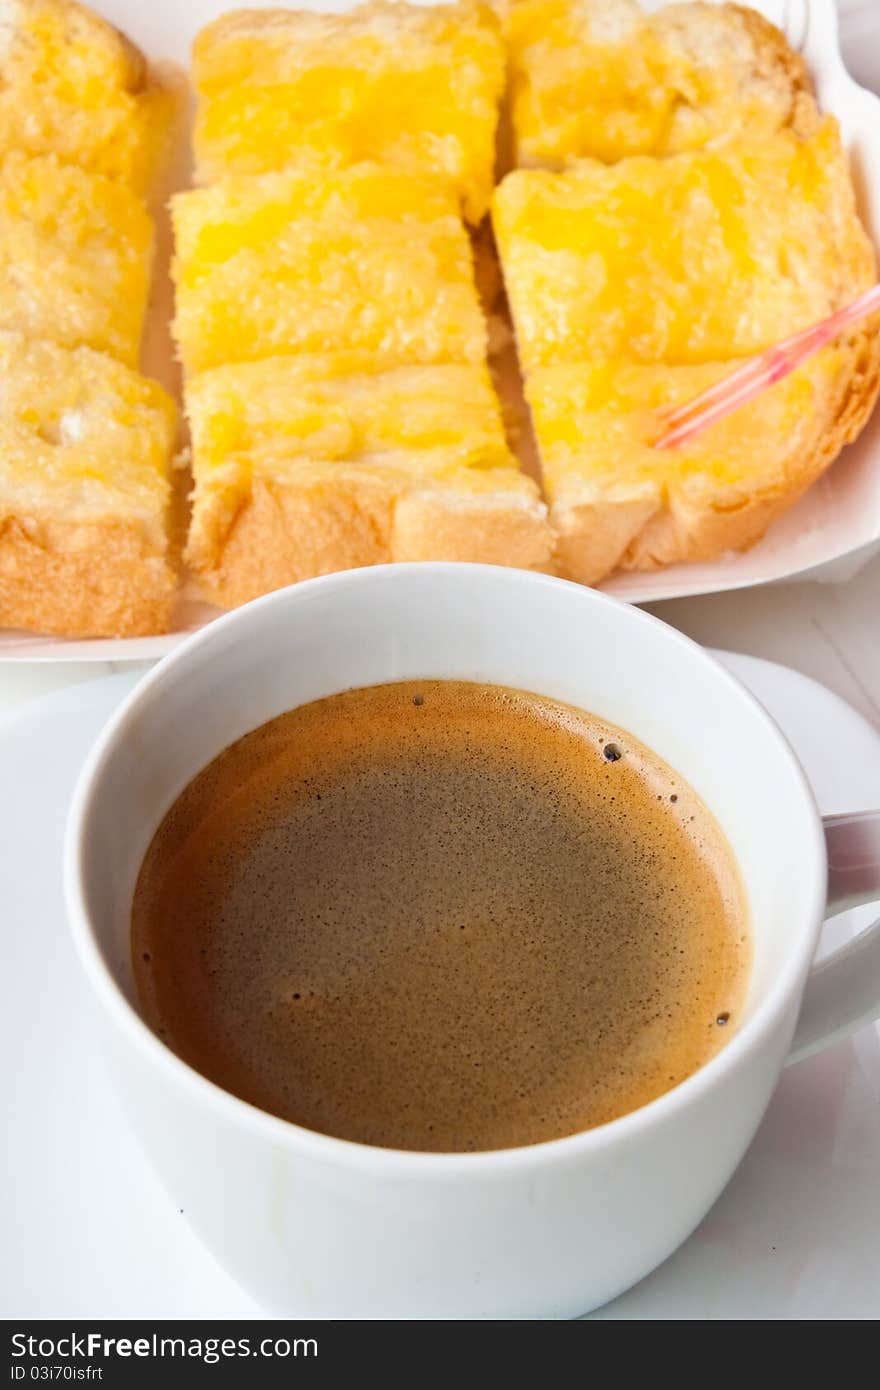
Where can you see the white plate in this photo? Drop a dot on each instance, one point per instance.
(89, 1232)
(831, 531)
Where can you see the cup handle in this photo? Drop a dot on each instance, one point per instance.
(843, 991)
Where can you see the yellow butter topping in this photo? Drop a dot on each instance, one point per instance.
(75, 251)
(695, 258)
(80, 432)
(598, 422)
(71, 85)
(337, 407)
(367, 259)
(414, 88)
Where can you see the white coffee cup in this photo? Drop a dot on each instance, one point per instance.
(316, 1226)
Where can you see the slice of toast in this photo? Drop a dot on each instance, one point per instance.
(73, 86)
(412, 87)
(616, 502)
(305, 465)
(601, 79)
(75, 253)
(634, 286)
(692, 258)
(368, 259)
(84, 493)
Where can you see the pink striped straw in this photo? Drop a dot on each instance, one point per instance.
(754, 376)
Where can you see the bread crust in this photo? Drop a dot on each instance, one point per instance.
(85, 493)
(281, 533)
(83, 579)
(337, 518)
(773, 60)
(438, 524)
(697, 519)
(593, 533)
(702, 521)
(774, 56)
(78, 25)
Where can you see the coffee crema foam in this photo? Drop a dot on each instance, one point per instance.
(441, 916)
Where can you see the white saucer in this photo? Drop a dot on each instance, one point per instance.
(88, 1232)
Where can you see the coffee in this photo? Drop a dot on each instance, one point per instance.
(441, 916)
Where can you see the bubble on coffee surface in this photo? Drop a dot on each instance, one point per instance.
(476, 939)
